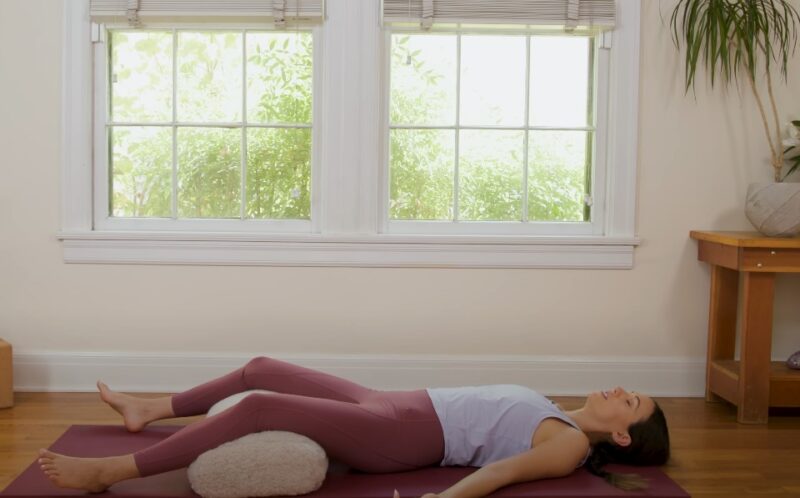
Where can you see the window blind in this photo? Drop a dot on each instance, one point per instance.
(137, 12)
(568, 13)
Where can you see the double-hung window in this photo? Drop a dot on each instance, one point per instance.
(493, 128)
(206, 125)
(456, 133)
(203, 125)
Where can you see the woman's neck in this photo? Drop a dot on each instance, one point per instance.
(588, 425)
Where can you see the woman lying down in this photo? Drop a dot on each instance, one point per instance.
(512, 433)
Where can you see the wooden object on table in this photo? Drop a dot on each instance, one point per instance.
(6, 376)
(754, 382)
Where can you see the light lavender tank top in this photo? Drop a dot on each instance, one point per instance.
(483, 424)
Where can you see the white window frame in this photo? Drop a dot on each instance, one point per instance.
(349, 226)
(594, 226)
(104, 222)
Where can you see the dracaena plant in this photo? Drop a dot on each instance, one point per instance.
(741, 39)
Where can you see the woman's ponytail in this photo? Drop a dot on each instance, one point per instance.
(599, 458)
(649, 446)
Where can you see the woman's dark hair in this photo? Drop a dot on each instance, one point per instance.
(649, 446)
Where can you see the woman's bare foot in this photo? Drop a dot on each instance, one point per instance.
(91, 474)
(136, 412)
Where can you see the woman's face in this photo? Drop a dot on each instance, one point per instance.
(617, 409)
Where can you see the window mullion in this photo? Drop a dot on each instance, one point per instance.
(243, 151)
(350, 148)
(603, 151)
(526, 136)
(458, 128)
(385, 192)
(102, 133)
(174, 203)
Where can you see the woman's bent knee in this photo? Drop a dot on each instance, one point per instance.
(254, 402)
(257, 364)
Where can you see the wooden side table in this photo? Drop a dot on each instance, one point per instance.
(754, 383)
(6, 376)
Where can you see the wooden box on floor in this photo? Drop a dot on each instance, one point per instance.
(6, 376)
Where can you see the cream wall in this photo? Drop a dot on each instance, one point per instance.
(696, 158)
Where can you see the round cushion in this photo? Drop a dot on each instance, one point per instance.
(269, 463)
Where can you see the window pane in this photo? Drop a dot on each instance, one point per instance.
(279, 173)
(141, 76)
(279, 77)
(490, 175)
(421, 171)
(423, 87)
(493, 80)
(209, 76)
(141, 171)
(560, 80)
(557, 175)
(209, 179)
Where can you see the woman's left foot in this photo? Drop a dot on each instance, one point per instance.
(90, 474)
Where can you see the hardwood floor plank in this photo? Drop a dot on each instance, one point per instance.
(713, 455)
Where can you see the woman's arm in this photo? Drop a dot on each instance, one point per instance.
(556, 457)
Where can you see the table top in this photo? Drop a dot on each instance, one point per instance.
(746, 239)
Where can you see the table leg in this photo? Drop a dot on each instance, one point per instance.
(756, 344)
(721, 320)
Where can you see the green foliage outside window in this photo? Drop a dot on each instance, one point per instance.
(209, 158)
(491, 163)
(277, 138)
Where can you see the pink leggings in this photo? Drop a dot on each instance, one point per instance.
(368, 430)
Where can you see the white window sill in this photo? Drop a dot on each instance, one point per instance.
(415, 251)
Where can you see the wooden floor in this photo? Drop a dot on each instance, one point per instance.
(712, 454)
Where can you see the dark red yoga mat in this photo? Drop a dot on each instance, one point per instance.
(106, 440)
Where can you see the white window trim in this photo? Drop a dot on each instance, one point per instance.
(348, 231)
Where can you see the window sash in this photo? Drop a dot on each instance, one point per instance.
(596, 225)
(103, 219)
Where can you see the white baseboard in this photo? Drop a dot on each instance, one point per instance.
(550, 375)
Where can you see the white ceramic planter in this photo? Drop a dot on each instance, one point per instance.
(774, 208)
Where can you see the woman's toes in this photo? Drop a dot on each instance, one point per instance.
(46, 454)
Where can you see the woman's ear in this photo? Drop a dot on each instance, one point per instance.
(621, 438)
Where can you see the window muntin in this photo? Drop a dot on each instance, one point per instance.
(491, 127)
(209, 124)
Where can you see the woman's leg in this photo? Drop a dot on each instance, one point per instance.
(393, 432)
(272, 375)
(259, 373)
(390, 432)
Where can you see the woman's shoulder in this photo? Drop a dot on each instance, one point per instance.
(572, 439)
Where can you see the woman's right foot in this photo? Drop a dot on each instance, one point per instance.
(90, 474)
(136, 412)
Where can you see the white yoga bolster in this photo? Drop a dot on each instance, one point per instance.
(269, 463)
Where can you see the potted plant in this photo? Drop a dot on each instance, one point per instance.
(747, 40)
